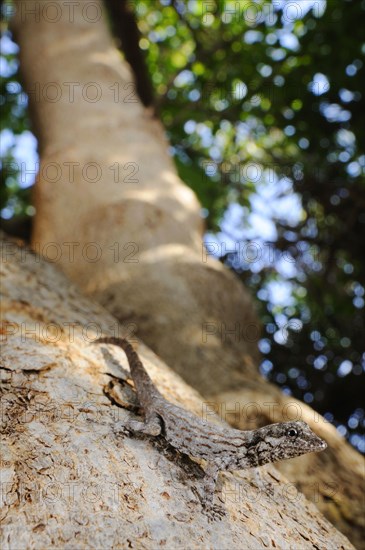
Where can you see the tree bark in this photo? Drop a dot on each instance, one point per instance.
(333, 480)
(113, 213)
(133, 237)
(69, 481)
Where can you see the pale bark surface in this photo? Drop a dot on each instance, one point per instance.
(136, 246)
(69, 482)
(143, 225)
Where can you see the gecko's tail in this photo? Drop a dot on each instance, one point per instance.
(115, 341)
(140, 376)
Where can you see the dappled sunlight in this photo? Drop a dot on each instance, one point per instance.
(262, 110)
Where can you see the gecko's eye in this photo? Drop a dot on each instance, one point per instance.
(292, 432)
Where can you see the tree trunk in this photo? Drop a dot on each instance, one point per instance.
(115, 216)
(69, 481)
(133, 237)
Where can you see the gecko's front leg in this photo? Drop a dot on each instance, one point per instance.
(209, 483)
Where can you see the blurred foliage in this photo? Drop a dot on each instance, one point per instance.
(253, 96)
(263, 106)
(14, 197)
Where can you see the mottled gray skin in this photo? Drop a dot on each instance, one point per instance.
(223, 448)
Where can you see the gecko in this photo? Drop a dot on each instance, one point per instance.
(222, 447)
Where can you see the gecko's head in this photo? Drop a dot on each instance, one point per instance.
(286, 440)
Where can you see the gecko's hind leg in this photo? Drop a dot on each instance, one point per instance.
(151, 426)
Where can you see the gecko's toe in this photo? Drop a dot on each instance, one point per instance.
(214, 512)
